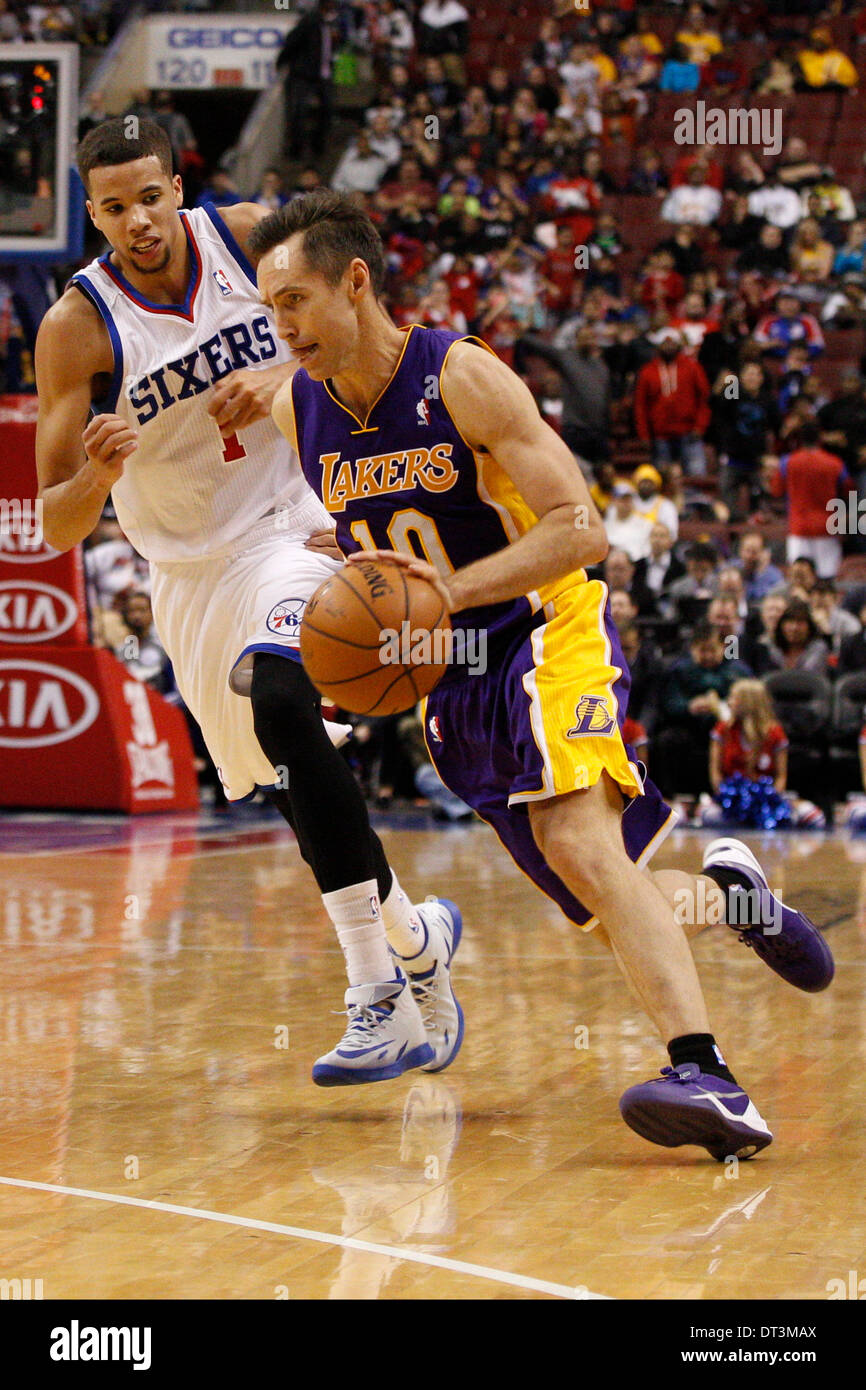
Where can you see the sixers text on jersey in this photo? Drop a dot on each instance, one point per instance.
(208, 357)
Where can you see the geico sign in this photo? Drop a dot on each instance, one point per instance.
(42, 704)
(225, 38)
(32, 612)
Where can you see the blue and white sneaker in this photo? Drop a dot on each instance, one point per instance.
(432, 987)
(686, 1106)
(783, 938)
(385, 1037)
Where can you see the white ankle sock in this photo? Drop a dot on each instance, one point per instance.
(406, 933)
(357, 916)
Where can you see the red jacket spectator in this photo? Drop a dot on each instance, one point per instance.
(662, 287)
(671, 398)
(715, 176)
(558, 267)
(574, 202)
(464, 284)
(810, 478)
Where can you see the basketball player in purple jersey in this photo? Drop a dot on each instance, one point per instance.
(164, 341)
(425, 447)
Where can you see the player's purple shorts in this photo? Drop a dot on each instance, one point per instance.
(543, 720)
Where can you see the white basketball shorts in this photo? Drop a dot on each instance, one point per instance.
(213, 615)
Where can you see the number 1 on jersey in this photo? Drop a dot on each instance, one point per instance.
(233, 449)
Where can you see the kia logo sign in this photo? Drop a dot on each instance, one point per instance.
(32, 612)
(25, 550)
(41, 705)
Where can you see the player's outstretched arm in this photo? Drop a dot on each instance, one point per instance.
(494, 410)
(77, 463)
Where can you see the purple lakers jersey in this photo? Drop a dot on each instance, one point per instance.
(405, 478)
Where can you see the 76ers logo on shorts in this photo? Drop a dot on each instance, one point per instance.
(285, 619)
(593, 716)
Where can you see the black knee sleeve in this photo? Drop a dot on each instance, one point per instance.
(322, 800)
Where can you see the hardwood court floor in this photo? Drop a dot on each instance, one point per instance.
(165, 985)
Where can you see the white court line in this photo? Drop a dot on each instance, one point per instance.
(500, 1276)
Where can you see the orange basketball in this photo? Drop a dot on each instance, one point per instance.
(374, 638)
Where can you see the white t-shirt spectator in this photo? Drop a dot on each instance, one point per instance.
(144, 657)
(398, 31)
(581, 77)
(660, 508)
(112, 567)
(438, 16)
(387, 145)
(776, 204)
(631, 535)
(590, 116)
(686, 203)
(358, 172)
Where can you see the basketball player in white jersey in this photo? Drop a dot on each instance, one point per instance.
(164, 342)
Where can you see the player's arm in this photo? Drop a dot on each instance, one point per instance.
(77, 463)
(283, 411)
(494, 410)
(247, 395)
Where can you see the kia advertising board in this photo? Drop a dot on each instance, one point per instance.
(77, 732)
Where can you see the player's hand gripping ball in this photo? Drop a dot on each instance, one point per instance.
(375, 639)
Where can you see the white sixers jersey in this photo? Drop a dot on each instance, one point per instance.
(186, 492)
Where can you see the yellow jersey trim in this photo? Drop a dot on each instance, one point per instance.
(366, 427)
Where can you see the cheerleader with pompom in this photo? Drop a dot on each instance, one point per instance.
(749, 767)
(855, 811)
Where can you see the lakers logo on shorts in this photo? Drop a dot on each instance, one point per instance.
(593, 716)
(285, 619)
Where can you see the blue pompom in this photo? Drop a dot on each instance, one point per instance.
(753, 802)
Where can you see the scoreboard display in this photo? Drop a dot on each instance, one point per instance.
(39, 210)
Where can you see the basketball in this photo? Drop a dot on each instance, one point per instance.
(375, 639)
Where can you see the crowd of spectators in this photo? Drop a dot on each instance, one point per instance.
(689, 378)
(53, 21)
(493, 196)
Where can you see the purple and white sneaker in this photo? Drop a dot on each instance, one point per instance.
(686, 1106)
(784, 939)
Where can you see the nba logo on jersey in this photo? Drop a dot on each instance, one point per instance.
(285, 619)
(435, 731)
(423, 412)
(222, 281)
(593, 717)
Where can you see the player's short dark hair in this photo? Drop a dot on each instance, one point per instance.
(336, 232)
(112, 142)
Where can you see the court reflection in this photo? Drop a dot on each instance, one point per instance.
(409, 1201)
